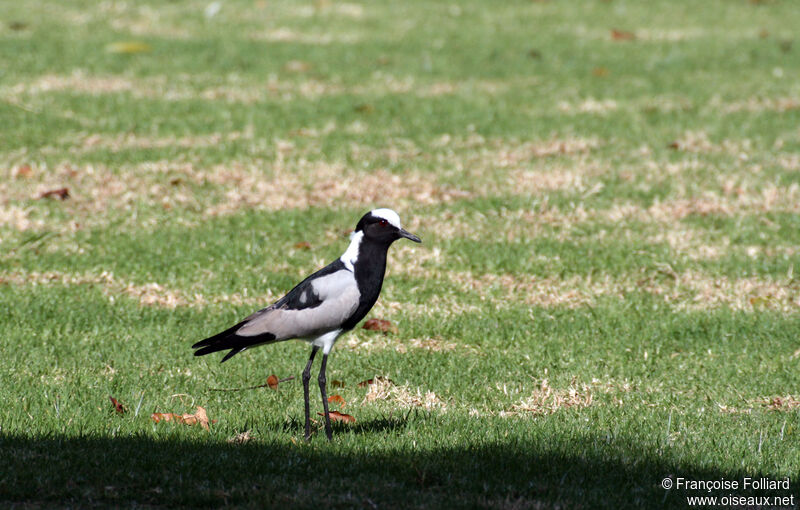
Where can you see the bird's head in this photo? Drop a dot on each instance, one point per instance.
(383, 226)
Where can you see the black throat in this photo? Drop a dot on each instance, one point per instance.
(369, 269)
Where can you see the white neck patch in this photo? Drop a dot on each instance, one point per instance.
(350, 255)
(388, 215)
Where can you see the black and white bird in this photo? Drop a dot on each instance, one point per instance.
(324, 305)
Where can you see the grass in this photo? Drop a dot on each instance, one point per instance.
(606, 296)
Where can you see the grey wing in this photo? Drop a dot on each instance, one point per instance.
(332, 300)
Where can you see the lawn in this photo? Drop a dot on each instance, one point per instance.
(608, 194)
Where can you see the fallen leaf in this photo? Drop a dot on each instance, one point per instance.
(60, 193)
(23, 171)
(118, 407)
(337, 399)
(674, 145)
(600, 72)
(336, 383)
(534, 53)
(380, 325)
(622, 35)
(272, 381)
(17, 25)
(129, 47)
(364, 108)
(337, 416)
(303, 245)
(200, 417)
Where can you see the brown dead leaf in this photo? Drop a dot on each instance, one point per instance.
(380, 325)
(60, 193)
(364, 108)
(118, 407)
(600, 72)
(272, 382)
(622, 35)
(337, 416)
(336, 383)
(303, 245)
(199, 417)
(337, 399)
(23, 171)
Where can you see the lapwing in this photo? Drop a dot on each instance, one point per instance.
(322, 307)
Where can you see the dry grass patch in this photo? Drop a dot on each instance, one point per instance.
(691, 243)
(698, 142)
(689, 290)
(149, 294)
(750, 201)
(444, 307)
(78, 82)
(781, 403)
(537, 291)
(546, 400)
(589, 105)
(178, 88)
(694, 290)
(362, 341)
(17, 218)
(97, 189)
(402, 396)
(286, 34)
(733, 200)
(302, 184)
(755, 105)
(327, 7)
(85, 142)
(382, 83)
(292, 184)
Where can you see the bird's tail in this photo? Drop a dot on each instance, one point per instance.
(228, 339)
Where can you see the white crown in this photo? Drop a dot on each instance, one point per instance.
(388, 215)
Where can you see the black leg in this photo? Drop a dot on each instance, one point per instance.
(306, 378)
(322, 382)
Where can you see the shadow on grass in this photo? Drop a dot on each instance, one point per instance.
(142, 471)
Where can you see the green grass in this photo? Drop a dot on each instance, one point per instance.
(606, 295)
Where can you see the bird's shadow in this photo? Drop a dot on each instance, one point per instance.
(166, 472)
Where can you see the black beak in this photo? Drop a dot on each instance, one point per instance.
(408, 235)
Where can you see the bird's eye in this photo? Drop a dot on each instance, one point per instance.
(383, 223)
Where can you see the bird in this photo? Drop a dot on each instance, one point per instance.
(322, 307)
